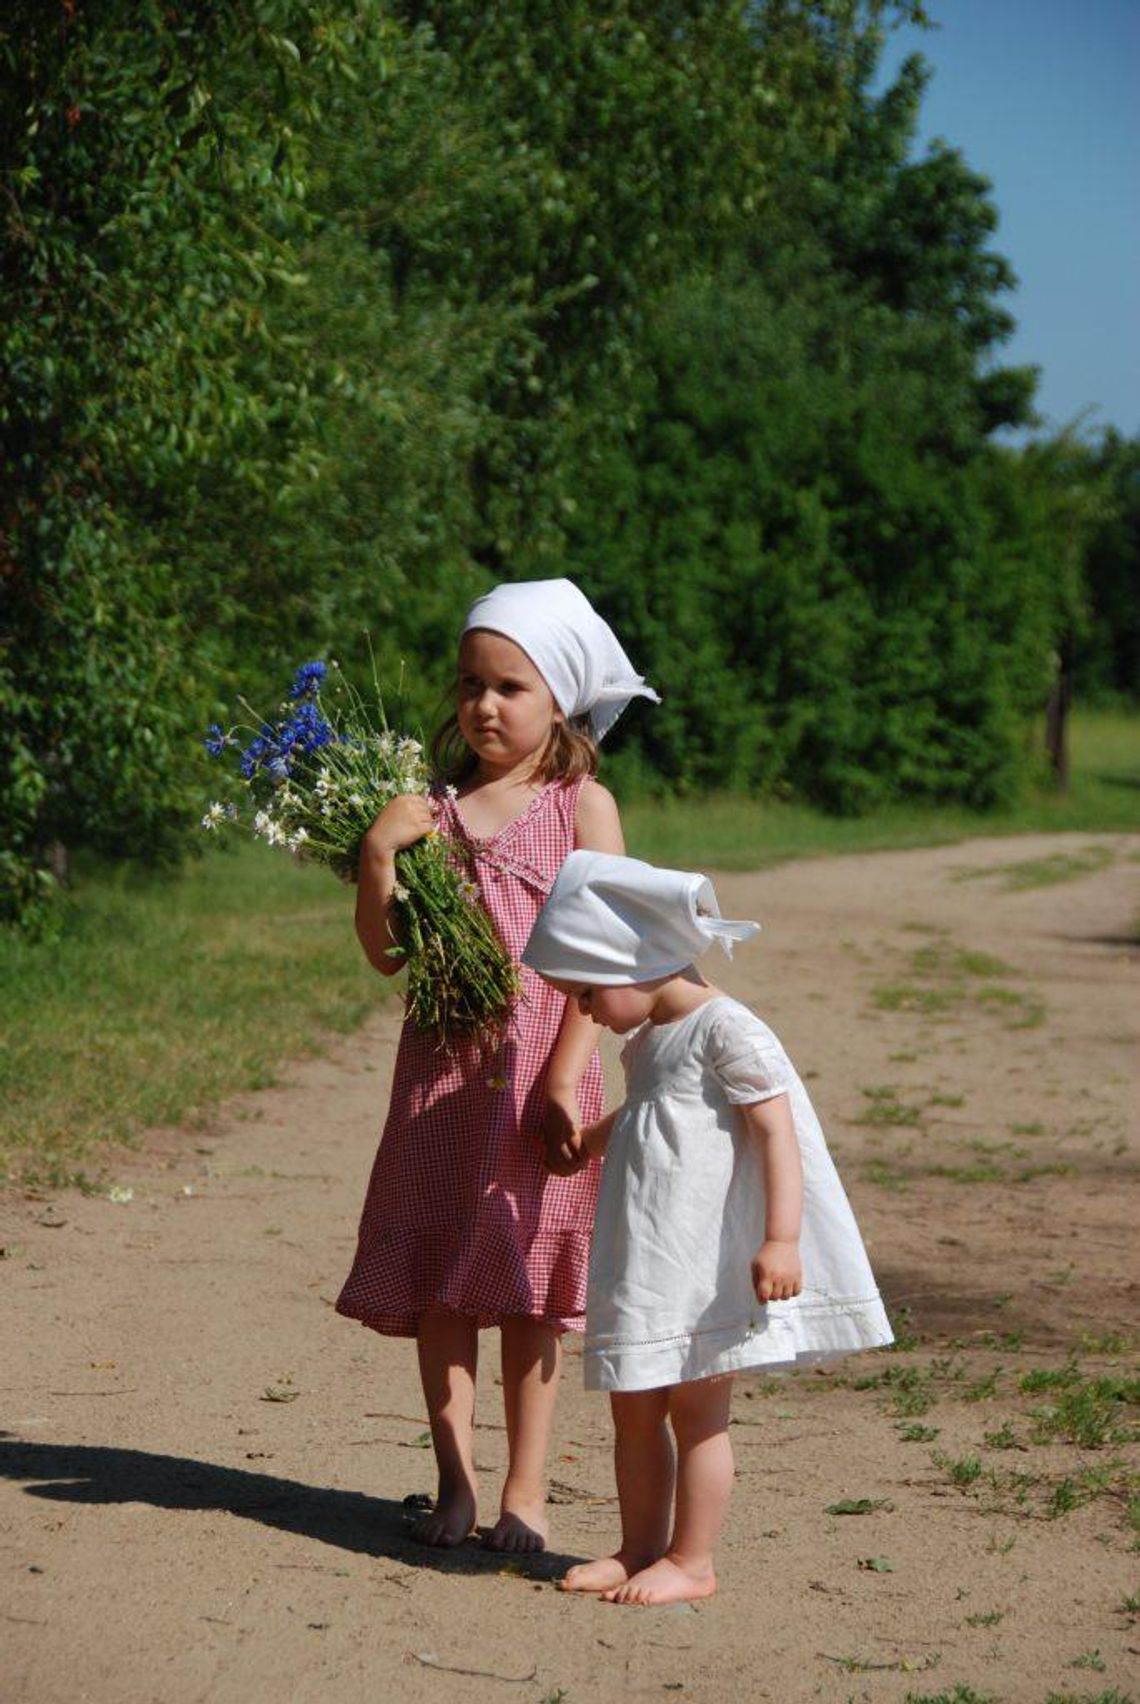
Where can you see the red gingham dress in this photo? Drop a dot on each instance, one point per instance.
(460, 1211)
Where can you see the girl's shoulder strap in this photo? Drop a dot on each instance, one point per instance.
(564, 797)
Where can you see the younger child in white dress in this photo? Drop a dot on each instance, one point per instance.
(723, 1239)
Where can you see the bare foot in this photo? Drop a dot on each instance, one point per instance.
(604, 1575)
(521, 1526)
(666, 1581)
(450, 1522)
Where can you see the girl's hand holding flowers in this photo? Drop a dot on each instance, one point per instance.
(403, 821)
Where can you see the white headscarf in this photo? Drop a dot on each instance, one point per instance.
(574, 650)
(612, 920)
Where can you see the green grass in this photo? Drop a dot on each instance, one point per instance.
(1110, 1697)
(162, 996)
(1055, 867)
(960, 1695)
(725, 833)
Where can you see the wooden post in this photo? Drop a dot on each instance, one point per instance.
(1057, 715)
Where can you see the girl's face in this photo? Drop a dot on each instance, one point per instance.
(504, 708)
(620, 1009)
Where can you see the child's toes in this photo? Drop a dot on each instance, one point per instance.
(512, 1534)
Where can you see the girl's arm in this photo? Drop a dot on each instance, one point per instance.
(597, 828)
(777, 1274)
(401, 823)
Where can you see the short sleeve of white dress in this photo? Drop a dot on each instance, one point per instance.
(745, 1057)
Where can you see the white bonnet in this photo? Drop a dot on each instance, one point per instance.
(574, 650)
(612, 920)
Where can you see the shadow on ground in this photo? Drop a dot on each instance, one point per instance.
(347, 1520)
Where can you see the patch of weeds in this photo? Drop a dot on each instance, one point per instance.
(913, 1432)
(996, 1546)
(906, 997)
(982, 1389)
(1089, 1660)
(960, 1695)
(886, 1175)
(983, 1171)
(1003, 1298)
(859, 1506)
(986, 1618)
(1129, 1605)
(1054, 1168)
(979, 1145)
(1044, 872)
(1112, 1696)
(1049, 1378)
(910, 1391)
(1091, 1413)
(1106, 1343)
(1064, 1498)
(1021, 1484)
(1004, 1438)
(963, 1471)
(905, 1335)
(1026, 1011)
(946, 961)
(946, 1100)
(1012, 1339)
(859, 1665)
(1026, 1129)
(903, 1058)
(886, 1111)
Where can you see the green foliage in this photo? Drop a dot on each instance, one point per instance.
(319, 317)
(1107, 661)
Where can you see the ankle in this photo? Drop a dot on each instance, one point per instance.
(525, 1484)
(698, 1565)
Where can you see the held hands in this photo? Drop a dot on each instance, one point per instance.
(563, 1150)
(777, 1274)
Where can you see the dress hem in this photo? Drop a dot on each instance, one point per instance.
(778, 1343)
(407, 1325)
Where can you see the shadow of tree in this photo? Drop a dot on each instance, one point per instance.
(347, 1520)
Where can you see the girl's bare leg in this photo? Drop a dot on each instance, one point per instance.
(643, 1467)
(448, 1347)
(699, 1416)
(532, 1361)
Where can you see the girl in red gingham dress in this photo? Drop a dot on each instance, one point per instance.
(463, 1225)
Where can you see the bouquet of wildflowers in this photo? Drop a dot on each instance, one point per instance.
(312, 782)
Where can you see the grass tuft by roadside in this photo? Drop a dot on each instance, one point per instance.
(162, 996)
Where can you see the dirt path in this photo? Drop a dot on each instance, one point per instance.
(171, 1535)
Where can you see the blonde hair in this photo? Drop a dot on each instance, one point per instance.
(570, 751)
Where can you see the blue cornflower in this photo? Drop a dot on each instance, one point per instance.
(216, 739)
(306, 728)
(258, 751)
(307, 680)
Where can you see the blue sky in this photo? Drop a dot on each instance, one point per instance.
(1043, 97)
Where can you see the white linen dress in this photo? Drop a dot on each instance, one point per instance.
(681, 1214)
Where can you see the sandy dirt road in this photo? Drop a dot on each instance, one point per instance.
(204, 1468)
